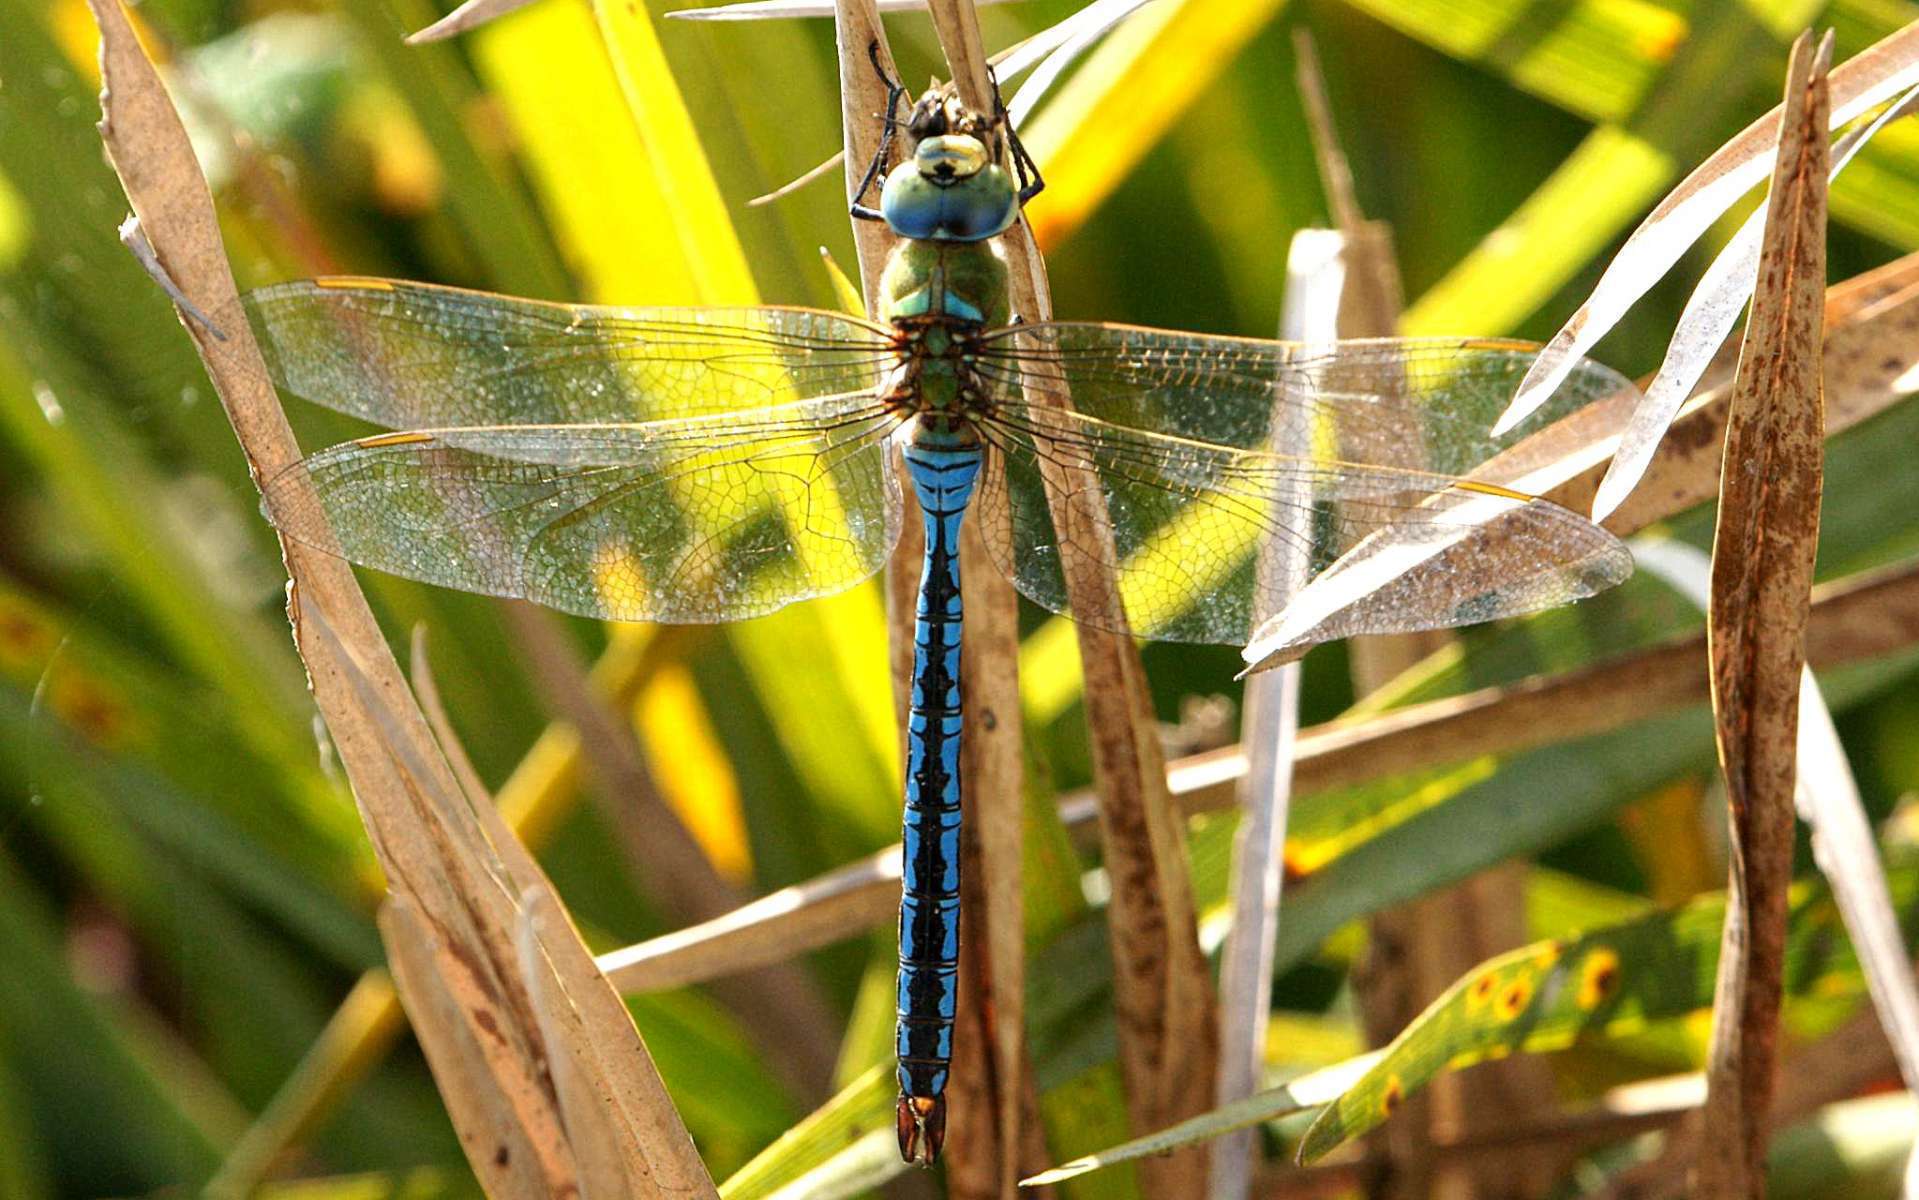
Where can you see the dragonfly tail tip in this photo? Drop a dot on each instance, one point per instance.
(922, 1128)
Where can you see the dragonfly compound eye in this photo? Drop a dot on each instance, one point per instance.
(970, 201)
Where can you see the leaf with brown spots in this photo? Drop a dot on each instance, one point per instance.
(1612, 982)
(1763, 551)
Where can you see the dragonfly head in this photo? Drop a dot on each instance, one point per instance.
(951, 189)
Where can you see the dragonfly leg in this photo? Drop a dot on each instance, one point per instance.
(895, 92)
(1031, 183)
(1025, 170)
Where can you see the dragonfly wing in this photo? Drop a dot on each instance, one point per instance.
(1415, 403)
(415, 356)
(1210, 543)
(1463, 556)
(694, 520)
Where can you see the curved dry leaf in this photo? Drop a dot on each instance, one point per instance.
(450, 922)
(1862, 82)
(1872, 348)
(1710, 315)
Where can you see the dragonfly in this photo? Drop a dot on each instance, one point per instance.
(716, 464)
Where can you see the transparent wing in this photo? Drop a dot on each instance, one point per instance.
(1210, 543)
(694, 520)
(1416, 403)
(414, 356)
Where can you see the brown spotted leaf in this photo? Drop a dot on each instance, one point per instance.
(1763, 549)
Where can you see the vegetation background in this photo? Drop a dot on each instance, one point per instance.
(186, 898)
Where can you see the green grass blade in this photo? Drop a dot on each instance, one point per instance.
(856, 1113)
(49, 1024)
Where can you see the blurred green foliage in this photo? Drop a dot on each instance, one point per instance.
(185, 896)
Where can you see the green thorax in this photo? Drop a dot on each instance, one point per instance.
(962, 281)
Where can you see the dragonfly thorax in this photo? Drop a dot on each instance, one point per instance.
(934, 383)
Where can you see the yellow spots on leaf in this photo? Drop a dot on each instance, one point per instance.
(1548, 956)
(1834, 984)
(1481, 991)
(1598, 978)
(1295, 863)
(1513, 998)
(1393, 1095)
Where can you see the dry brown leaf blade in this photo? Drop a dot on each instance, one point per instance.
(477, 932)
(1763, 549)
(583, 1108)
(657, 1155)
(1843, 844)
(450, 923)
(510, 1158)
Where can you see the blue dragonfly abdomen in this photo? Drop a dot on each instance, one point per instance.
(943, 480)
